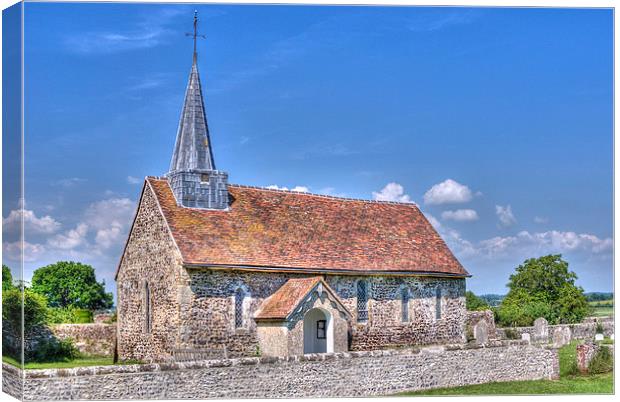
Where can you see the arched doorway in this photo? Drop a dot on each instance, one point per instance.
(318, 331)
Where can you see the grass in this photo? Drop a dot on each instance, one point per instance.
(569, 382)
(79, 362)
(602, 308)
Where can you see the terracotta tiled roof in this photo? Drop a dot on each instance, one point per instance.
(285, 229)
(282, 303)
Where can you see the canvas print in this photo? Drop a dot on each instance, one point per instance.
(286, 201)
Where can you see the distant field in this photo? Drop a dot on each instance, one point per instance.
(602, 308)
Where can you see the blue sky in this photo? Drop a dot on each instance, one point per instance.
(496, 122)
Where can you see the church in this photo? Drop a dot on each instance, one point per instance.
(212, 268)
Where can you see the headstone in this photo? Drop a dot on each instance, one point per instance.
(541, 331)
(525, 337)
(585, 353)
(611, 337)
(561, 337)
(599, 337)
(481, 332)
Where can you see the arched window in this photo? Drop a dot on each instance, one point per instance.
(239, 296)
(438, 303)
(147, 308)
(405, 304)
(362, 301)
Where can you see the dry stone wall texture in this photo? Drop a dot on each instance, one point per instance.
(319, 375)
(90, 339)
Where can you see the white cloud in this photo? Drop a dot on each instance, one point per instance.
(505, 215)
(32, 223)
(300, 189)
(447, 192)
(133, 180)
(392, 192)
(71, 239)
(434, 221)
(460, 215)
(68, 182)
(541, 219)
(12, 251)
(109, 236)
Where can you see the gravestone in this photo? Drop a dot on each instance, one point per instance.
(481, 332)
(525, 337)
(541, 331)
(599, 337)
(585, 353)
(561, 337)
(611, 337)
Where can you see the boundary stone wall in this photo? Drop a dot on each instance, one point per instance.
(316, 375)
(91, 339)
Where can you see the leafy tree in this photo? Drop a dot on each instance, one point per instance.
(543, 287)
(35, 309)
(71, 284)
(475, 303)
(7, 278)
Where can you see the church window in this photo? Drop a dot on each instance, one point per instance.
(362, 301)
(147, 308)
(204, 177)
(438, 303)
(405, 304)
(239, 296)
(320, 329)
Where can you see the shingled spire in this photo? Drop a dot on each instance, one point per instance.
(193, 178)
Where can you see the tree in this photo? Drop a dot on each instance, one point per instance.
(71, 284)
(7, 278)
(475, 303)
(543, 287)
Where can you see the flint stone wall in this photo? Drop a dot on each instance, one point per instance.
(316, 375)
(91, 339)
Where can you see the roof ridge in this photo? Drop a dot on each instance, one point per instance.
(333, 197)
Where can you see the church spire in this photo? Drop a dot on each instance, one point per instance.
(193, 147)
(194, 180)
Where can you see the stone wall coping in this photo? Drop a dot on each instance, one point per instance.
(86, 324)
(203, 364)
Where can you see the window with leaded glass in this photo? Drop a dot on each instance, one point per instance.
(438, 303)
(362, 301)
(239, 295)
(405, 304)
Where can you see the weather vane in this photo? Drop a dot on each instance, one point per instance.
(195, 34)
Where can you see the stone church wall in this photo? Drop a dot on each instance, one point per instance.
(207, 313)
(351, 374)
(152, 258)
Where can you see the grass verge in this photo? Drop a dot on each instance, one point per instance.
(79, 362)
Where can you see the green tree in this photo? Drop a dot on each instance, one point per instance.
(71, 284)
(475, 303)
(7, 278)
(35, 309)
(543, 287)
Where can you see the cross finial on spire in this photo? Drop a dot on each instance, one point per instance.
(195, 34)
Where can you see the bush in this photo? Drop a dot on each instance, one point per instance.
(602, 362)
(69, 315)
(512, 333)
(599, 328)
(112, 319)
(34, 309)
(53, 350)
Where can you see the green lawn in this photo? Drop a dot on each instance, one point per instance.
(568, 383)
(602, 308)
(79, 362)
